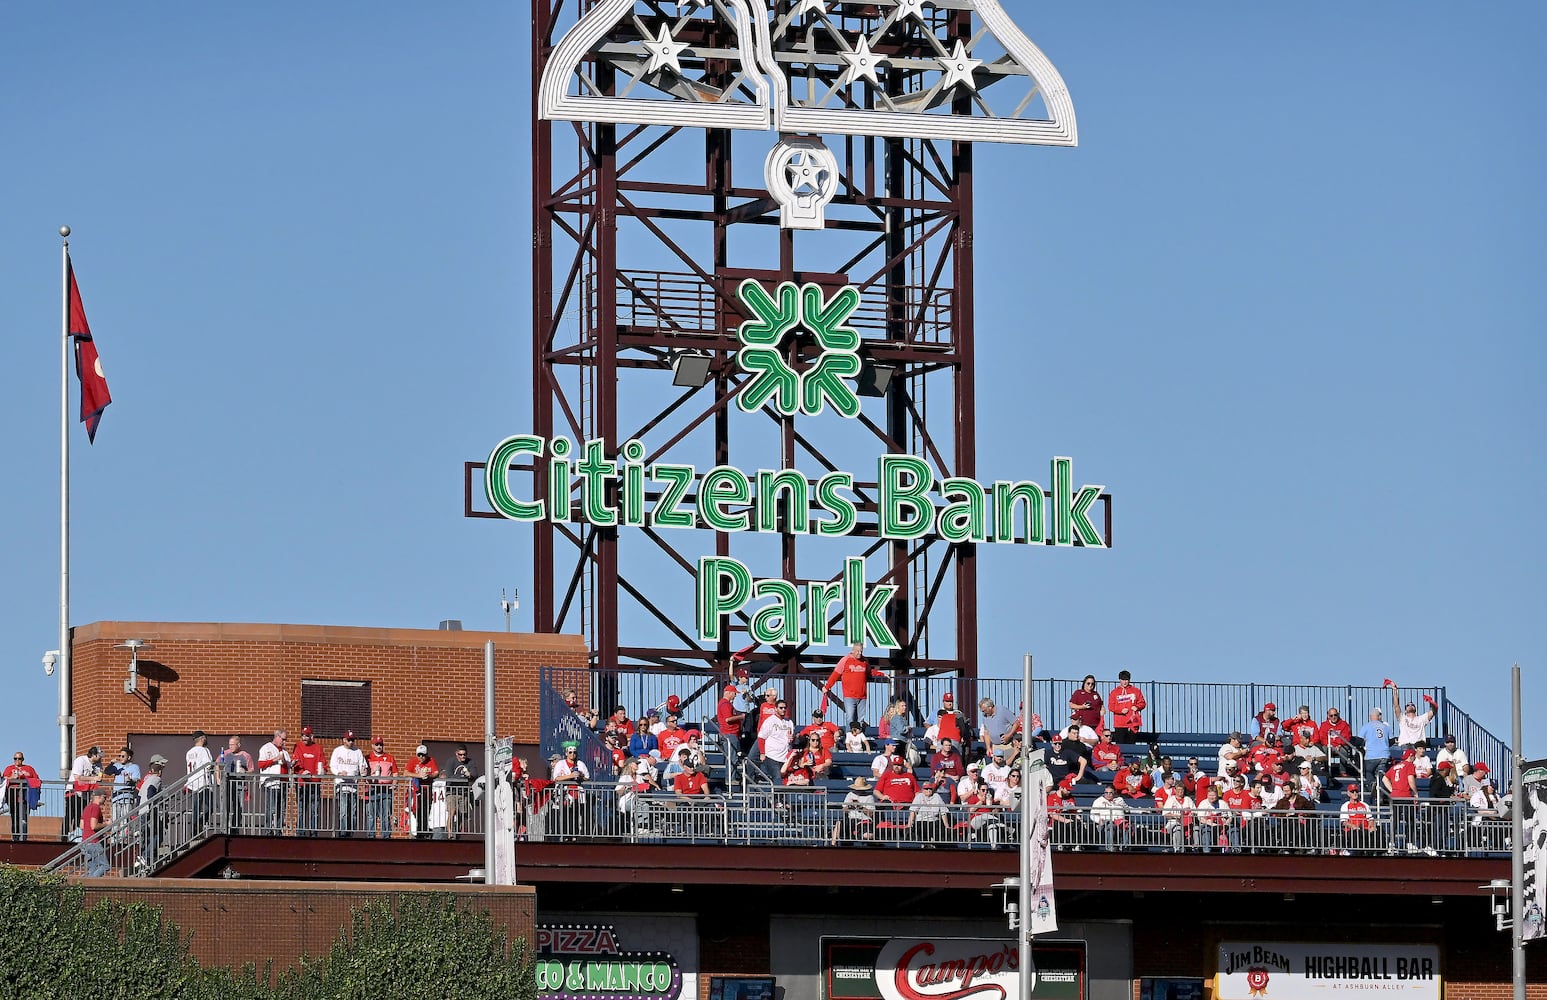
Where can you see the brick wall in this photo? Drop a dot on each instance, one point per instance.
(234, 678)
(297, 918)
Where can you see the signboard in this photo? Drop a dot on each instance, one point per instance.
(504, 814)
(1533, 814)
(743, 988)
(609, 484)
(651, 958)
(1260, 970)
(924, 968)
(1038, 906)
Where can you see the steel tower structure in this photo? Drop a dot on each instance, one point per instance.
(648, 213)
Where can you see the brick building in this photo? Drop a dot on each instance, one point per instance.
(247, 680)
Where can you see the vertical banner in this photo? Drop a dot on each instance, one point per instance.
(504, 831)
(1038, 908)
(1533, 786)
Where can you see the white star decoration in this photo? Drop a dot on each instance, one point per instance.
(913, 8)
(812, 6)
(958, 67)
(862, 62)
(664, 51)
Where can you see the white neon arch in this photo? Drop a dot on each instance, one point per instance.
(773, 108)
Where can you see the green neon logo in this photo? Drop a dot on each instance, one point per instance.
(773, 381)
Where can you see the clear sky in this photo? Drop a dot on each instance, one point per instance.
(1286, 301)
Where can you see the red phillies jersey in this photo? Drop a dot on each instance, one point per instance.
(669, 740)
(1358, 816)
(1132, 784)
(690, 783)
(382, 765)
(1196, 785)
(854, 673)
(308, 758)
(828, 731)
(1237, 798)
(1401, 777)
(1264, 757)
(1107, 755)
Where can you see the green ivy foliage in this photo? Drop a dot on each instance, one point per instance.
(419, 945)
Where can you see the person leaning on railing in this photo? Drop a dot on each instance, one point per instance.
(1336, 735)
(929, 815)
(84, 775)
(92, 823)
(308, 761)
(152, 821)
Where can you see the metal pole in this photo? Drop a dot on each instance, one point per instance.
(490, 779)
(1517, 892)
(65, 718)
(1027, 909)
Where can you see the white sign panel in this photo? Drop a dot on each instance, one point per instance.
(1533, 921)
(1260, 970)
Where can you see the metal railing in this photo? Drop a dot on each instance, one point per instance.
(50, 812)
(141, 839)
(602, 812)
(1174, 708)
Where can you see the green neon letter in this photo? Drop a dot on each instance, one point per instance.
(797, 501)
(779, 621)
(962, 520)
(721, 485)
(674, 480)
(723, 586)
(862, 607)
(594, 471)
(819, 597)
(905, 508)
(845, 513)
(1006, 496)
(496, 478)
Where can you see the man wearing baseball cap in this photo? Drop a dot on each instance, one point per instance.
(382, 767)
(347, 765)
(1456, 756)
(927, 815)
(729, 721)
(308, 762)
(1401, 784)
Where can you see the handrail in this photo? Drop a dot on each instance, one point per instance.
(133, 839)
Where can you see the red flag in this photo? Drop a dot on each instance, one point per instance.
(88, 367)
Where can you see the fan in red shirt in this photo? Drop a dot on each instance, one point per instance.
(729, 722)
(1196, 782)
(1267, 719)
(1301, 723)
(671, 738)
(693, 781)
(1337, 736)
(1133, 783)
(619, 722)
(898, 785)
(854, 673)
(1266, 753)
(1127, 704)
(826, 731)
(1106, 755)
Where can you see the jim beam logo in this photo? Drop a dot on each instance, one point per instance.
(1258, 964)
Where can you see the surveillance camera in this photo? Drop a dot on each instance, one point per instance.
(50, 661)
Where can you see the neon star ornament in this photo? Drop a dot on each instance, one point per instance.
(863, 63)
(958, 68)
(664, 51)
(746, 65)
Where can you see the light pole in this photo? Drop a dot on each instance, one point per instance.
(1517, 842)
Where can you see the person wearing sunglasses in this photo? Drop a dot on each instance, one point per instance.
(20, 779)
(1085, 704)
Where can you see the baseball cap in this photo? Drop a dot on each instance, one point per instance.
(421, 748)
(349, 734)
(1480, 767)
(198, 734)
(554, 758)
(158, 759)
(1450, 737)
(1306, 766)
(379, 740)
(673, 703)
(1409, 755)
(974, 766)
(306, 730)
(1236, 735)
(948, 697)
(729, 689)
(1446, 765)
(1067, 782)
(998, 751)
(1270, 707)
(897, 760)
(816, 713)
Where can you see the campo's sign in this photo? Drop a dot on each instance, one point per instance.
(947, 969)
(1255, 970)
(583, 485)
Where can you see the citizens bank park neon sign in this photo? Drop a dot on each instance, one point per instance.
(911, 501)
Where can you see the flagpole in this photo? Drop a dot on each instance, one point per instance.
(66, 720)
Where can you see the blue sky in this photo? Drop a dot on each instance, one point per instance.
(1285, 301)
